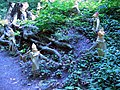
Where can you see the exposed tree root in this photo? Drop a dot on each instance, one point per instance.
(61, 44)
(45, 48)
(4, 42)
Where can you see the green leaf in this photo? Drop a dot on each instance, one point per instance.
(69, 87)
(117, 85)
(107, 88)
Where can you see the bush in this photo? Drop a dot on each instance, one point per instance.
(53, 16)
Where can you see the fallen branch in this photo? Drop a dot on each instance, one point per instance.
(35, 41)
(4, 41)
(61, 44)
(45, 48)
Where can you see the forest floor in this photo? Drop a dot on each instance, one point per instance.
(12, 77)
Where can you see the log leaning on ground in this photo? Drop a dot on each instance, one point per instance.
(60, 44)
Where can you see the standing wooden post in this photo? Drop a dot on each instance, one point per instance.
(96, 22)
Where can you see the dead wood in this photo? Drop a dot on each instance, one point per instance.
(35, 41)
(4, 42)
(61, 44)
(29, 31)
(45, 48)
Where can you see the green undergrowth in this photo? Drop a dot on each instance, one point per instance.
(89, 71)
(95, 72)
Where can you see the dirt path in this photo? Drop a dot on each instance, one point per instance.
(11, 77)
(79, 41)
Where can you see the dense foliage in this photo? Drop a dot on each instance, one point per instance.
(91, 71)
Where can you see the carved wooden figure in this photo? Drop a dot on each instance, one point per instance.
(96, 22)
(35, 57)
(76, 6)
(11, 37)
(100, 43)
(39, 7)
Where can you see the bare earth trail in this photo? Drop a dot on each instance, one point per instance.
(11, 77)
(79, 41)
